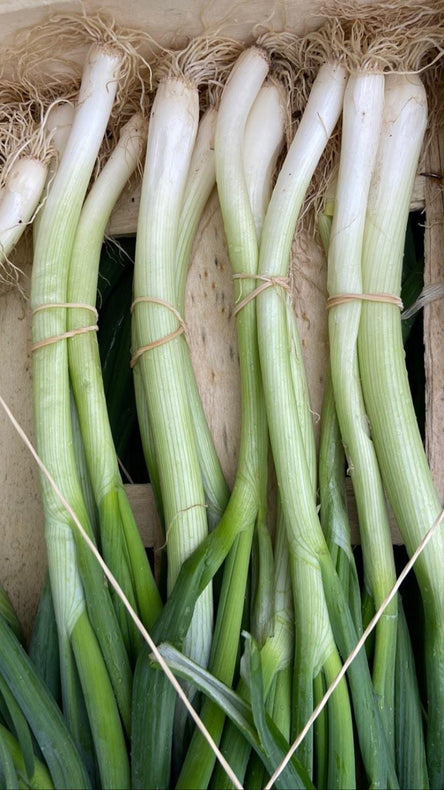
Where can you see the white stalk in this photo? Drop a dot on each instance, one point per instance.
(200, 183)
(120, 540)
(313, 634)
(53, 427)
(238, 97)
(53, 251)
(82, 288)
(20, 198)
(171, 138)
(320, 117)
(362, 119)
(201, 180)
(263, 141)
(386, 389)
(49, 281)
(58, 124)
(317, 123)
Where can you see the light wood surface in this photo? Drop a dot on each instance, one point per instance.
(434, 313)
(171, 21)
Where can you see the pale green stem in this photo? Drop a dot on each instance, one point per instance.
(172, 132)
(395, 432)
(362, 117)
(290, 457)
(200, 183)
(309, 552)
(332, 494)
(119, 537)
(53, 246)
(237, 99)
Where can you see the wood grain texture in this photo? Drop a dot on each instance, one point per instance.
(171, 21)
(434, 313)
(22, 545)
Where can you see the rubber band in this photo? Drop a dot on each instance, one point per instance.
(157, 300)
(55, 339)
(81, 305)
(333, 301)
(166, 339)
(268, 281)
(136, 356)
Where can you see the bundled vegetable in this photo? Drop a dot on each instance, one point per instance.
(258, 604)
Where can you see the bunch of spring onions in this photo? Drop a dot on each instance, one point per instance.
(259, 610)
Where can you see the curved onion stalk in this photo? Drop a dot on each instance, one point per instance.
(171, 139)
(242, 508)
(19, 199)
(58, 123)
(314, 640)
(266, 140)
(385, 385)
(332, 495)
(269, 112)
(119, 537)
(315, 581)
(172, 132)
(67, 556)
(200, 183)
(201, 180)
(362, 120)
(263, 141)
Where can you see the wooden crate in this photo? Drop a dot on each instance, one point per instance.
(210, 323)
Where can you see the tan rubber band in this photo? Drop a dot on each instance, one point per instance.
(268, 281)
(66, 304)
(156, 343)
(50, 340)
(332, 301)
(136, 356)
(157, 300)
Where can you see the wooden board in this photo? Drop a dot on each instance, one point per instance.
(434, 312)
(22, 552)
(171, 21)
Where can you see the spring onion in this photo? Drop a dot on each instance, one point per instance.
(386, 390)
(263, 142)
(119, 538)
(362, 118)
(53, 435)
